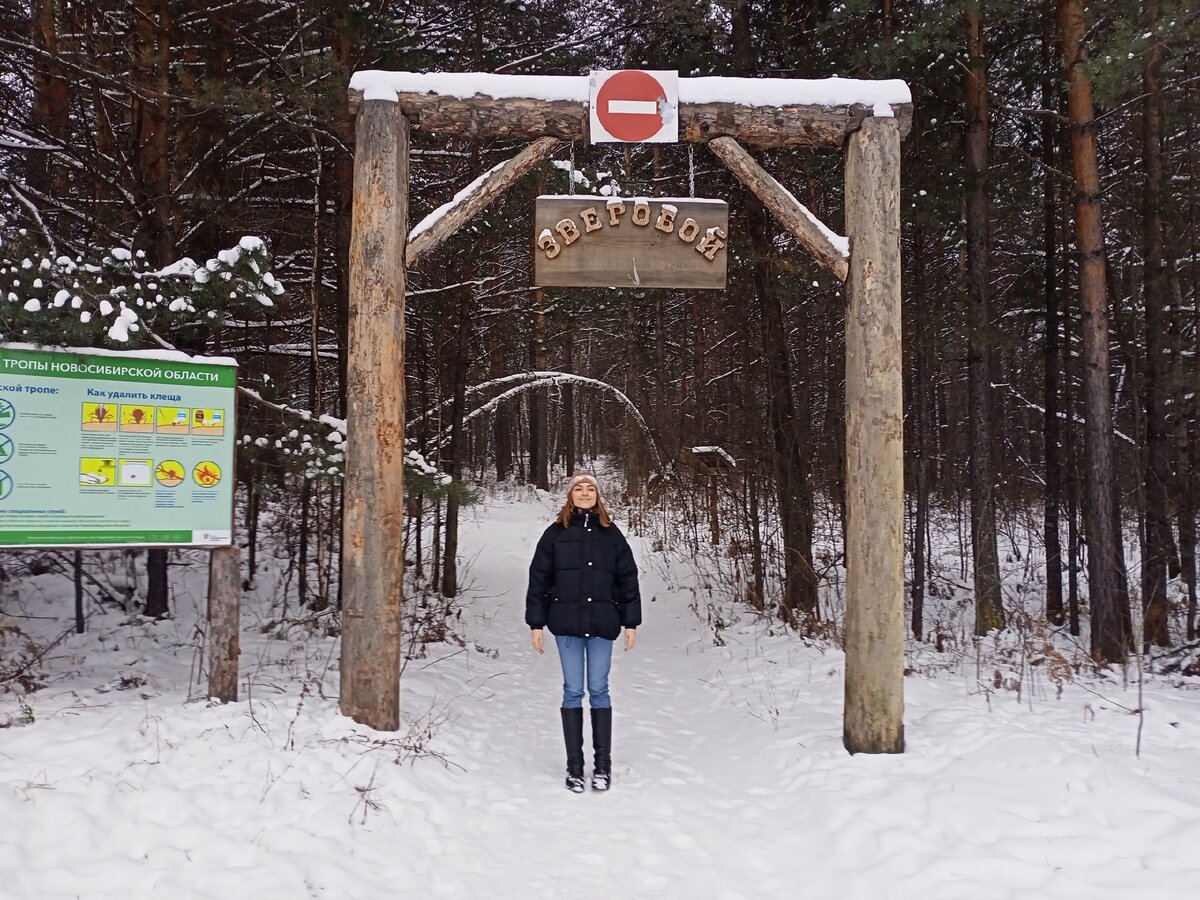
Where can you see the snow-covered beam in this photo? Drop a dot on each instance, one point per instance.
(473, 199)
(757, 112)
(831, 250)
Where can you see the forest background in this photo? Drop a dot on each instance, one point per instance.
(162, 130)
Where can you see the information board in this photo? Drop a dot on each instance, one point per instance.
(115, 449)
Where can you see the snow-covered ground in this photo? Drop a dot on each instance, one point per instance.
(730, 780)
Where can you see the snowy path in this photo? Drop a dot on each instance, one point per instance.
(677, 822)
(730, 779)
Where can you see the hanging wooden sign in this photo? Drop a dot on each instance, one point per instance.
(630, 242)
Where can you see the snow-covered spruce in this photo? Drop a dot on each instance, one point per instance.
(120, 300)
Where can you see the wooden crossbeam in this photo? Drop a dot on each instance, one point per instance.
(830, 249)
(473, 199)
(760, 125)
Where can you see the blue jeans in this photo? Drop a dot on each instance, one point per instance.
(577, 655)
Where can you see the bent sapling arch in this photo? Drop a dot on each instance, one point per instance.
(547, 379)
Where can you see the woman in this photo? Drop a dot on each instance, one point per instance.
(583, 586)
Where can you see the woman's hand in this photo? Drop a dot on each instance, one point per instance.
(630, 638)
(539, 644)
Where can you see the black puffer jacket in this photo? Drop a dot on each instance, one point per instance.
(583, 581)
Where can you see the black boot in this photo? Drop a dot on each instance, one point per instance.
(602, 744)
(572, 722)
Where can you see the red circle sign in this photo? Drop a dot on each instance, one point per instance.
(628, 105)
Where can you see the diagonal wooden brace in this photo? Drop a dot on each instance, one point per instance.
(830, 249)
(473, 199)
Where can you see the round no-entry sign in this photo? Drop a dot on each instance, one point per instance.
(633, 106)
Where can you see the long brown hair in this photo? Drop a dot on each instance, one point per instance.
(564, 515)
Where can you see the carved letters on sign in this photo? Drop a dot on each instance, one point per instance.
(589, 241)
(568, 232)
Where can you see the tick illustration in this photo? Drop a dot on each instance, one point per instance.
(100, 414)
(138, 415)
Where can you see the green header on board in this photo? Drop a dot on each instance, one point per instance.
(63, 364)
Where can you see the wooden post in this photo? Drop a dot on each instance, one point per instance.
(373, 517)
(874, 707)
(224, 617)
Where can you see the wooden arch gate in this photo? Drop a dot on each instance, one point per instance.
(867, 120)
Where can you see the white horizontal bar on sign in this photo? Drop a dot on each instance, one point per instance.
(638, 107)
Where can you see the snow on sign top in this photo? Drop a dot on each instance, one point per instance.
(717, 452)
(376, 84)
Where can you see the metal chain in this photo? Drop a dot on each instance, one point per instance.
(691, 169)
(571, 173)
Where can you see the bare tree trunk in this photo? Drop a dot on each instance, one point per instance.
(568, 400)
(921, 434)
(1051, 428)
(343, 177)
(989, 610)
(1073, 550)
(795, 500)
(501, 429)
(149, 106)
(50, 101)
(1107, 585)
(791, 477)
(454, 449)
(1187, 562)
(1071, 433)
(539, 468)
(1189, 438)
(422, 401)
(743, 49)
(435, 551)
(303, 537)
(77, 568)
(157, 585)
(1159, 542)
(316, 396)
(757, 601)
(753, 470)
(413, 532)
(253, 494)
(150, 51)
